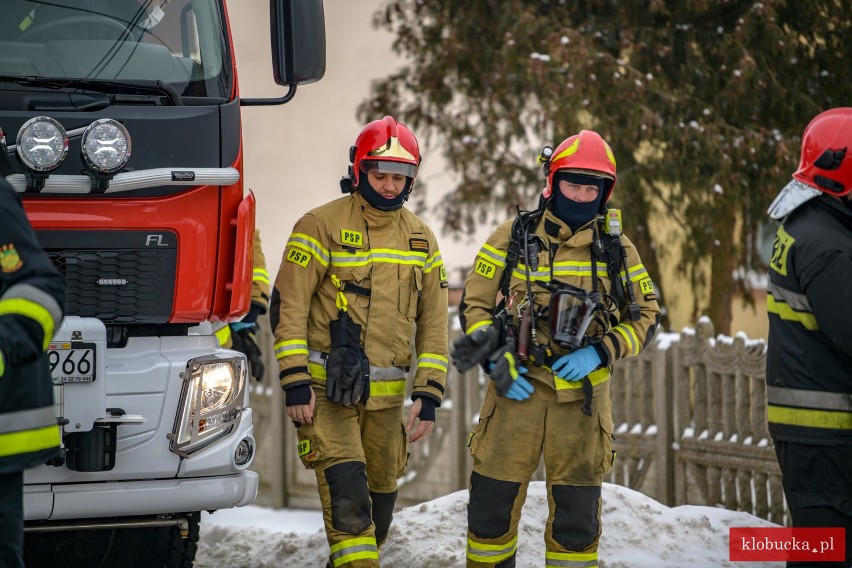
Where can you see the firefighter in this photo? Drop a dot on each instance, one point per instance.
(577, 299)
(32, 296)
(242, 335)
(361, 277)
(809, 353)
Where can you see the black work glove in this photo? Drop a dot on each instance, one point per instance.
(507, 374)
(254, 312)
(244, 341)
(473, 349)
(347, 369)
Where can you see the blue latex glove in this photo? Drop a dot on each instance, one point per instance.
(507, 375)
(521, 388)
(576, 365)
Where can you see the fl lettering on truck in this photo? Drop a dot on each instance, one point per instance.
(123, 123)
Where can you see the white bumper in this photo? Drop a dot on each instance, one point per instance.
(92, 500)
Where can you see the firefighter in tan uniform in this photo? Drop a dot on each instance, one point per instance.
(577, 299)
(241, 335)
(360, 277)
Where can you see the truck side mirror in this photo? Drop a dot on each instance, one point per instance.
(298, 41)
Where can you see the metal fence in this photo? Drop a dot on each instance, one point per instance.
(690, 415)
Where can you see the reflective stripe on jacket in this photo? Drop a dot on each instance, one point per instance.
(393, 277)
(32, 296)
(809, 350)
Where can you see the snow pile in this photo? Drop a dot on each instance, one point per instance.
(638, 532)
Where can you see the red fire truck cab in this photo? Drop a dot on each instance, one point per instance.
(123, 119)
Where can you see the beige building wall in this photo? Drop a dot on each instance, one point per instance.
(295, 154)
(678, 294)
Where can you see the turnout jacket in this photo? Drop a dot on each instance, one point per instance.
(809, 350)
(32, 296)
(395, 284)
(567, 258)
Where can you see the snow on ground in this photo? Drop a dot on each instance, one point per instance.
(638, 532)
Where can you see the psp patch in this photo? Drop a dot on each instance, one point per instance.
(351, 238)
(299, 257)
(646, 287)
(485, 268)
(420, 245)
(305, 452)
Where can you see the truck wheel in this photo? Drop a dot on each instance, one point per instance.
(165, 547)
(76, 549)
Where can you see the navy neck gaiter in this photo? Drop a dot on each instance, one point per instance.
(573, 213)
(375, 200)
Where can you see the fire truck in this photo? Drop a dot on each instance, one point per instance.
(123, 120)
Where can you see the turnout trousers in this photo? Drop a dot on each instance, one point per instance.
(357, 456)
(12, 519)
(818, 486)
(507, 446)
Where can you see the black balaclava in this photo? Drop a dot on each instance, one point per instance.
(574, 213)
(375, 200)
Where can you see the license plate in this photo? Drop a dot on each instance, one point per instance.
(71, 362)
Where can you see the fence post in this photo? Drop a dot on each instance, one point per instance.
(664, 412)
(266, 401)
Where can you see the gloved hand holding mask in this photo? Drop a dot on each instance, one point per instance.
(472, 349)
(507, 375)
(347, 368)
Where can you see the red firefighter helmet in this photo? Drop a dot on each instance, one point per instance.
(387, 145)
(586, 153)
(826, 160)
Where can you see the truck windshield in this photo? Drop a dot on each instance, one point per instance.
(181, 43)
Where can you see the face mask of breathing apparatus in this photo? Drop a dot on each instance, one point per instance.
(571, 311)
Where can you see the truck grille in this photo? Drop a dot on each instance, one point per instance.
(125, 284)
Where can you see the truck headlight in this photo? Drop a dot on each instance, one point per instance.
(42, 144)
(211, 402)
(106, 145)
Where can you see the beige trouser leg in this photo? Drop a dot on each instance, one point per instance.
(507, 446)
(354, 453)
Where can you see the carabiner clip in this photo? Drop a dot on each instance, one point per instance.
(340, 300)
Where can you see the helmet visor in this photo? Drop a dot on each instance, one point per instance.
(388, 167)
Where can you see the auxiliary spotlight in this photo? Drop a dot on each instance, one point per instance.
(42, 145)
(106, 149)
